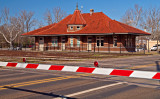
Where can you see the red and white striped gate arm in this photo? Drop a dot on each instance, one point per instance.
(103, 71)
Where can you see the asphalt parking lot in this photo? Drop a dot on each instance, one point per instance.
(17, 83)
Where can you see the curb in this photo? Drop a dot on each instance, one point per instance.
(93, 70)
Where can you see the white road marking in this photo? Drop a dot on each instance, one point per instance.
(89, 90)
(93, 89)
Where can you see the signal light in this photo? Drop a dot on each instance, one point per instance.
(96, 64)
(24, 60)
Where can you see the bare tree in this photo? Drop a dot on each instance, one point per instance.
(154, 22)
(40, 24)
(27, 20)
(48, 17)
(10, 26)
(1, 37)
(132, 17)
(151, 21)
(2, 40)
(28, 23)
(57, 15)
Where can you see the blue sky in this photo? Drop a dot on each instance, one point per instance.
(115, 9)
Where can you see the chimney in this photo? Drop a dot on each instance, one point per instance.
(91, 11)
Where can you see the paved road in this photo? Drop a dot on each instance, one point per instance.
(16, 83)
(148, 63)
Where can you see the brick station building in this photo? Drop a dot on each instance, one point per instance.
(92, 31)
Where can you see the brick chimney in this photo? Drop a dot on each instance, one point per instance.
(91, 11)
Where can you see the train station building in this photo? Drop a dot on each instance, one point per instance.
(93, 31)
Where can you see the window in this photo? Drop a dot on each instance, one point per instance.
(78, 41)
(97, 42)
(114, 41)
(55, 41)
(71, 27)
(78, 27)
(41, 38)
(71, 41)
(100, 41)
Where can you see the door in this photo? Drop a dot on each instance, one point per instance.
(63, 43)
(41, 44)
(89, 43)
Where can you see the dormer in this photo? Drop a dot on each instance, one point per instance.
(76, 22)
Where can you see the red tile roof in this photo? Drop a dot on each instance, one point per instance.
(77, 18)
(40, 29)
(97, 23)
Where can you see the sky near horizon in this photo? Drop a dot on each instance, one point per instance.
(115, 9)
